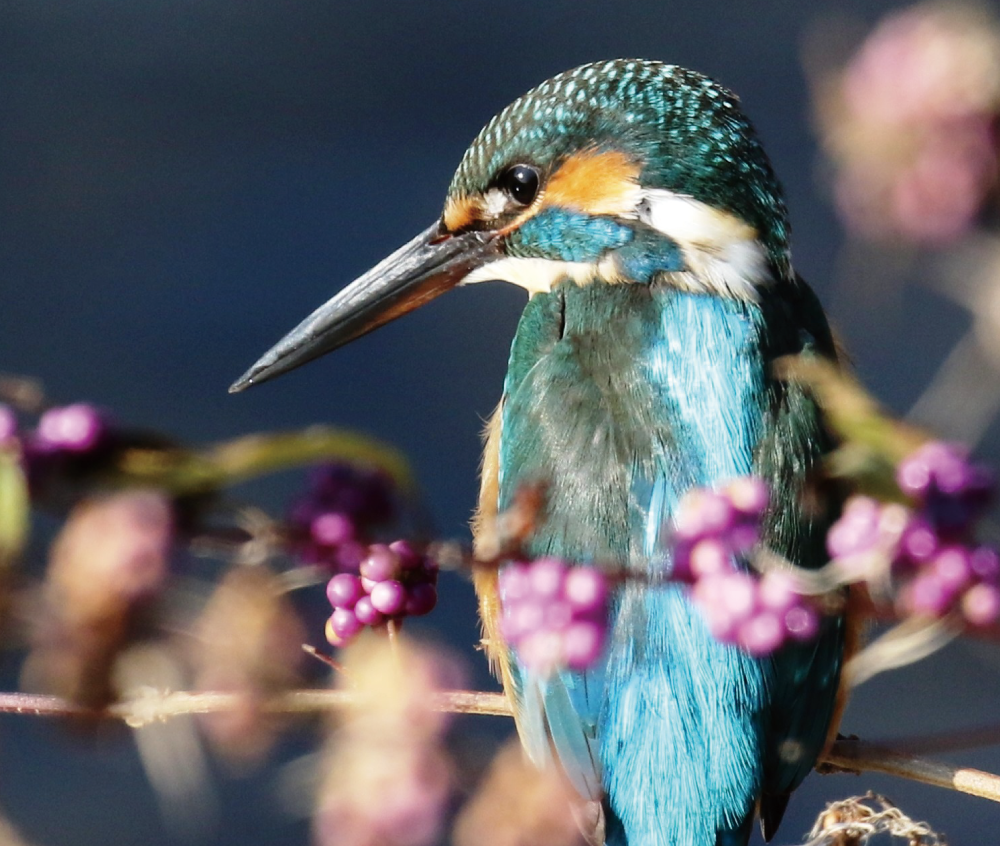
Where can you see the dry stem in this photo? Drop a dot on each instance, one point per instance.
(150, 706)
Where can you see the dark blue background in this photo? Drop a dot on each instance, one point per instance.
(182, 182)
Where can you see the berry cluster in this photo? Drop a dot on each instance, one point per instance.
(332, 522)
(65, 441)
(554, 615)
(928, 550)
(69, 429)
(392, 582)
(713, 530)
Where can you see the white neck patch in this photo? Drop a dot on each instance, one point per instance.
(721, 252)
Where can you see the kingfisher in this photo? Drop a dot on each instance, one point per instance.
(634, 203)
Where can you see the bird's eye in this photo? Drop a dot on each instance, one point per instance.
(520, 183)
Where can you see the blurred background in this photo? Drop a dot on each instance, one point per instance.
(181, 182)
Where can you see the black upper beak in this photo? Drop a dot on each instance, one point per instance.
(427, 266)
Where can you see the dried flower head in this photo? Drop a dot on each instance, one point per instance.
(110, 560)
(909, 124)
(387, 777)
(518, 804)
(248, 641)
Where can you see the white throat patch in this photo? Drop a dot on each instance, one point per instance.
(721, 252)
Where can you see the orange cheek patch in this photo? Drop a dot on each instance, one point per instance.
(462, 211)
(595, 182)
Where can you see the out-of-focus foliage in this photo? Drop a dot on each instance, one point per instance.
(909, 124)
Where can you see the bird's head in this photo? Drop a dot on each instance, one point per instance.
(620, 172)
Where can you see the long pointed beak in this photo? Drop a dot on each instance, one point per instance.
(416, 273)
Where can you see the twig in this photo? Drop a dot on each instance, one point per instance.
(312, 651)
(150, 706)
(854, 755)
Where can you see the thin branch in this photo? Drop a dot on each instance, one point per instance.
(853, 755)
(151, 706)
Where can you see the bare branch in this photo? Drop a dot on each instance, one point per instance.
(854, 755)
(150, 706)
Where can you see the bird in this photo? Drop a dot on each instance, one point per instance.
(633, 201)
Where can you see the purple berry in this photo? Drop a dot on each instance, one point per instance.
(703, 512)
(380, 564)
(710, 557)
(514, 582)
(558, 614)
(586, 589)
(739, 594)
(344, 624)
(366, 612)
(420, 599)
(857, 529)
(74, 428)
(711, 594)
(344, 590)
(743, 537)
(429, 568)
(915, 473)
(951, 568)
(981, 604)
(776, 591)
(546, 577)
(581, 644)
(541, 650)
(927, 595)
(761, 634)
(332, 529)
(951, 490)
(985, 564)
(749, 496)
(801, 622)
(919, 541)
(407, 556)
(388, 597)
(521, 619)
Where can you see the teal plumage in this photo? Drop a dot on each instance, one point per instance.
(652, 392)
(634, 202)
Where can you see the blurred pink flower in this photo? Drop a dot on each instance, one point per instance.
(248, 641)
(388, 779)
(108, 563)
(910, 124)
(518, 804)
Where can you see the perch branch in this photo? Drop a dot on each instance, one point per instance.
(151, 706)
(852, 755)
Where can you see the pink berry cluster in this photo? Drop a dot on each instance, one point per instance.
(333, 521)
(553, 614)
(393, 581)
(929, 549)
(713, 530)
(910, 124)
(64, 440)
(69, 429)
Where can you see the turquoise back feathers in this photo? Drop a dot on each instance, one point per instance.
(623, 398)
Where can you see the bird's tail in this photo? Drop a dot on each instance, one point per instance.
(615, 834)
